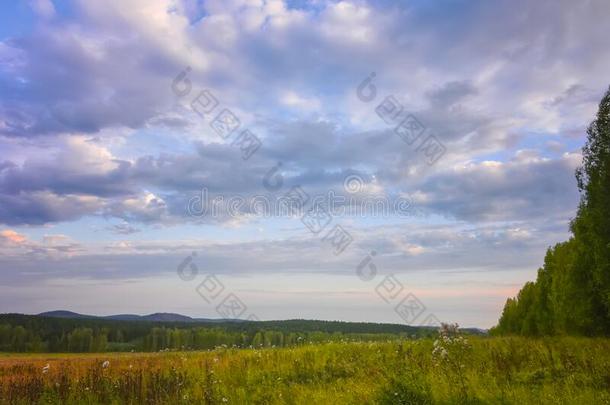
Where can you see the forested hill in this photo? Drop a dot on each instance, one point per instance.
(70, 332)
(571, 294)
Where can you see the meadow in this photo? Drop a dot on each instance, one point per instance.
(451, 369)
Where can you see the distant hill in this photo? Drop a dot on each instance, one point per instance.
(156, 317)
(65, 314)
(307, 324)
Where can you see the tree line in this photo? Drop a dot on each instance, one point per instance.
(571, 294)
(28, 333)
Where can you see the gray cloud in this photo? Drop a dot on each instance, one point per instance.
(504, 191)
(83, 178)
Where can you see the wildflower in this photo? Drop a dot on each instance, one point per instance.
(45, 369)
(105, 364)
(224, 399)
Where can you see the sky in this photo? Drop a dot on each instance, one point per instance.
(379, 161)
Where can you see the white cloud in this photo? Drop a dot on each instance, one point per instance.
(293, 99)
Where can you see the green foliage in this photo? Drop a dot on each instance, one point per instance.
(27, 333)
(571, 294)
(406, 389)
(506, 370)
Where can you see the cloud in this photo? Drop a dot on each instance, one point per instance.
(526, 186)
(292, 99)
(82, 177)
(43, 8)
(12, 237)
(451, 93)
(41, 207)
(123, 229)
(425, 251)
(146, 207)
(15, 246)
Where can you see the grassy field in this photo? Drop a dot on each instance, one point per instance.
(452, 370)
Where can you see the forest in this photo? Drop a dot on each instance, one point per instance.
(31, 333)
(571, 294)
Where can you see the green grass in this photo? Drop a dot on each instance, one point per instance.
(489, 371)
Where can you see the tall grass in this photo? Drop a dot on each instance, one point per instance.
(495, 371)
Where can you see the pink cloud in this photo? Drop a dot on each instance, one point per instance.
(12, 237)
